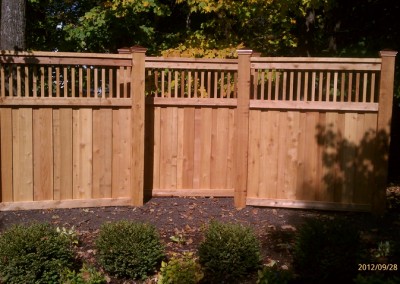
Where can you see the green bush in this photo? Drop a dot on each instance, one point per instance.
(34, 254)
(129, 249)
(273, 275)
(180, 270)
(229, 252)
(86, 275)
(327, 252)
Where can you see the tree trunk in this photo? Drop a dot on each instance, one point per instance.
(12, 30)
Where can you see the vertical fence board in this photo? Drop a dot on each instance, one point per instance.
(22, 154)
(180, 156)
(328, 170)
(63, 153)
(82, 153)
(122, 153)
(231, 149)
(311, 162)
(219, 150)
(349, 156)
(102, 153)
(256, 155)
(291, 145)
(197, 156)
(270, 173)
(188, 148)
(43, 153)
(282, 136)
(6, 158)
(157, 147)
(302, 156)
(207, 130)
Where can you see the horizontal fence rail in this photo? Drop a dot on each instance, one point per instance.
(82, 129)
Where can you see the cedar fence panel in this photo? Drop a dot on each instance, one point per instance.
(101, 129)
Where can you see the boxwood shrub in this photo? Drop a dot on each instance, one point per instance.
(129, 249)
(229, 252)
(34, 254)
(327, 251)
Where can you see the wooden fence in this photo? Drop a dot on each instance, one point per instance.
(101, 129)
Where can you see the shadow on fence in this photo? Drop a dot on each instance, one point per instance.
(348, 164)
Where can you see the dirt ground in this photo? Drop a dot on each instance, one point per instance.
(181, 222)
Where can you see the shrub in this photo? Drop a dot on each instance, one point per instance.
(327, 252)
(229, 252)
(273, 275)
(129, 249)
(86, 275)
(33, 254)
(180, 270)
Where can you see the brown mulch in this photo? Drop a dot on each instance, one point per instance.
(181, 222)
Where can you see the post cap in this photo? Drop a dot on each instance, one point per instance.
(244, 51)
(128, 50)
(388, 53)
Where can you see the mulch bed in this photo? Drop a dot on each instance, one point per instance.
(181, 222)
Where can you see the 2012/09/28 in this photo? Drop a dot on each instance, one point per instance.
(377, 267)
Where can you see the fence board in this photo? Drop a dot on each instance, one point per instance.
(121, 164)
(22, 154)
(219, 148)
(6, 158)
(311, 162)
(102, 153)
(302, 156)
(43, 153)
(256, 155)
(290, 181)
(188, 147)
(197, 148)
(156, 147)
(82, 153)
(349, 156)
(204, 151)
(62, 131)
(269, 175)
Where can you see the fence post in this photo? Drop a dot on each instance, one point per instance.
(242, 128)
(138, 122)
(378, 202)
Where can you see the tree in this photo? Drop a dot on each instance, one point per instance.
(48, 19)
(115, 24)
(12, 29)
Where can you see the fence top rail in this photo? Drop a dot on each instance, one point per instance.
(64, 58)
(317, 59)
(317, 63)
(192, 63)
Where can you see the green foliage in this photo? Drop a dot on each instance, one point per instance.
(229, 252)
(327, 252)
(273, 275)
(33, 254)
(182, 269)
(70, 234)
(86, 275)
(383, 249)
(115, 24)
(129, 249)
